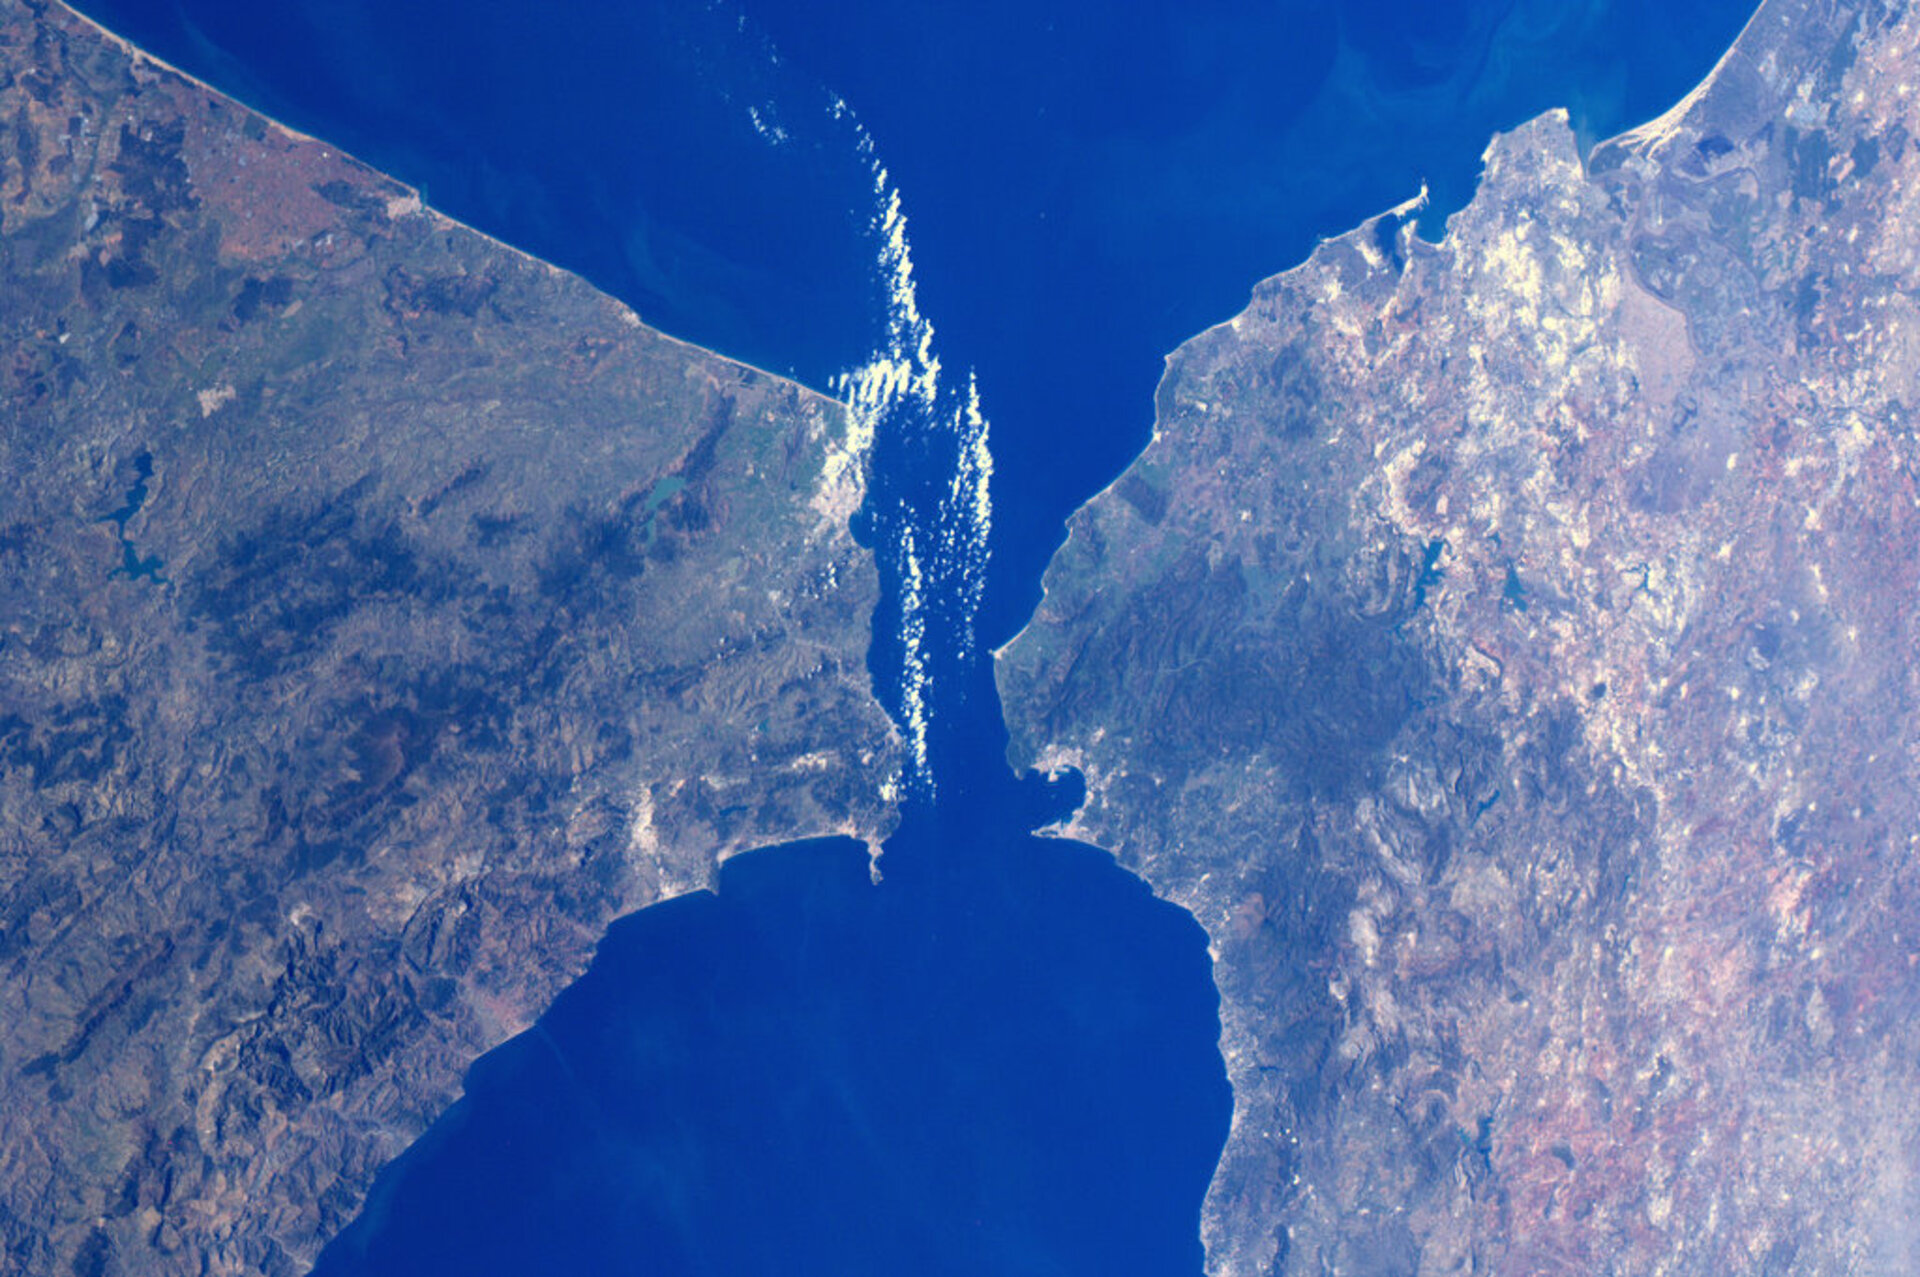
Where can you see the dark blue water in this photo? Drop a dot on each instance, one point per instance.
(962, 1073)
(1001, 1060)
(1093, 183)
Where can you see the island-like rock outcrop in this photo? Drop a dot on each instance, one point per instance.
(1506, 649)
(381, 613)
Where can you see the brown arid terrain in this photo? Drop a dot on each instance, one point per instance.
(1505, 648)
(382, 612)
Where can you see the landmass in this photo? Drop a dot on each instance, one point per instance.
(382, 612)
(1505, 649)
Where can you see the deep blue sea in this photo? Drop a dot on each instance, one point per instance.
(1002, 1059)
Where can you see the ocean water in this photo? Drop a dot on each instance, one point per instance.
(1002, 1059)
(803, 1074)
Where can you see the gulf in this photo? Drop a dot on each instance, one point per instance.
(1001, 1059)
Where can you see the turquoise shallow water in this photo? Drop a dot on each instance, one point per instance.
(1002, 1060)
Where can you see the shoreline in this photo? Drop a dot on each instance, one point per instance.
(1224, 1229)
(138, 54)
(1648, 133)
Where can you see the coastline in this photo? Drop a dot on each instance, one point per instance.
(1648, 134)
(644, 689)
(138, 55)
(1232, 1220)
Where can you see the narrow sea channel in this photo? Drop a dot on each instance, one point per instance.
(1002, 1059)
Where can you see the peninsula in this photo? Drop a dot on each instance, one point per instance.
(382, 612)
(1505, 648)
